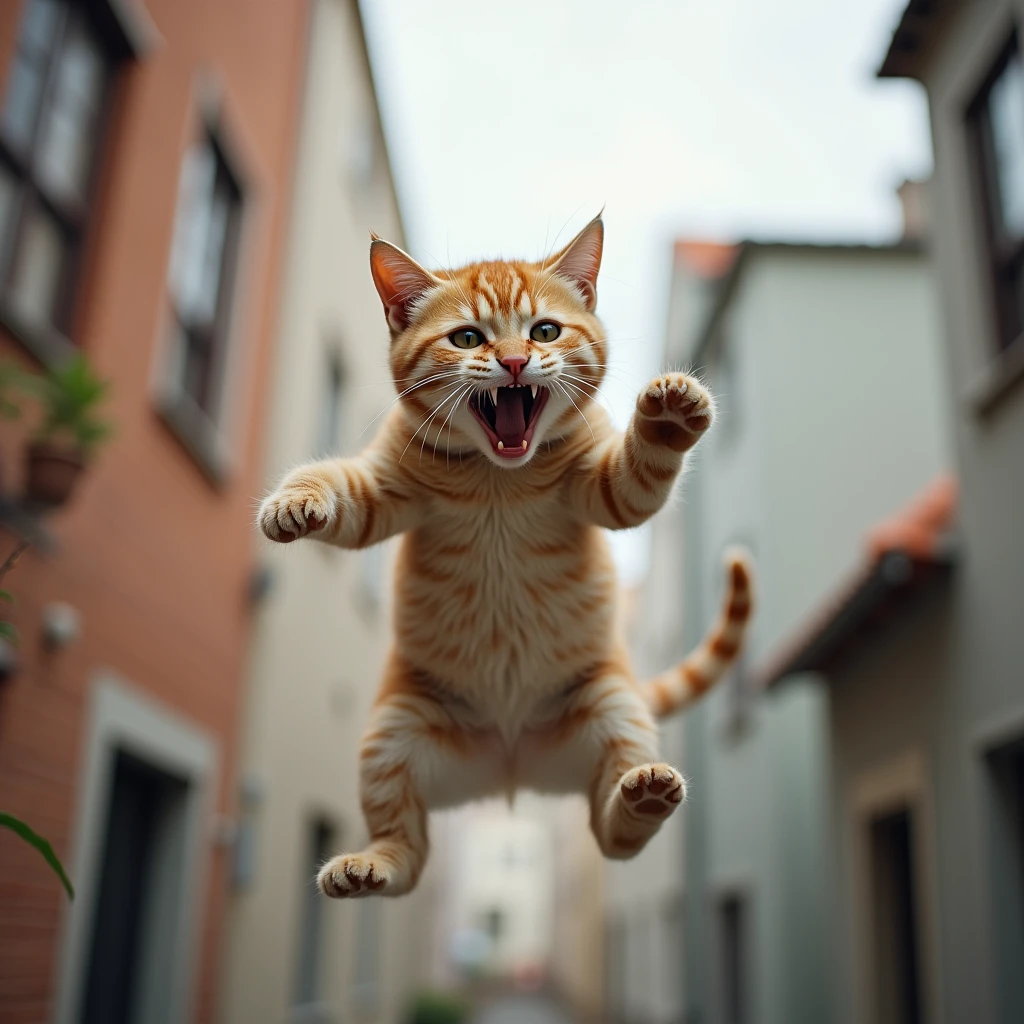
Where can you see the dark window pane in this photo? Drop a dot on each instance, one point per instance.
(24, 94)
(733, 924)
(40, 25)
(996, 123)
(28, 72)
(897, 980)
(1006, 117)
(67, 138)
(198, 238)
(8, 198)
(200, 272)
(330, 409)
(35, 283)
(308, 984)
(49, 120)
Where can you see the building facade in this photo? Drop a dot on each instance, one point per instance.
(145, 159)
(806, 346)
(927, 707)
(322, 627)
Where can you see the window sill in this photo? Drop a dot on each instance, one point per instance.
(45, 344)
(998, 378)
(197, 434)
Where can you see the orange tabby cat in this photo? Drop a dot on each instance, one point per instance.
(500, 471)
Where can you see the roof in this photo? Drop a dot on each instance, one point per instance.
(706, 259)
(910, 39)
(744, 252)
(902, 552)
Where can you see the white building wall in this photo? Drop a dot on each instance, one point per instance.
(322, 630)
(830, 417)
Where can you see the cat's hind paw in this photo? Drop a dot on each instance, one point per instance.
(652, 790)
(352, 875)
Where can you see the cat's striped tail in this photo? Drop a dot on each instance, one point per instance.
(707, 663)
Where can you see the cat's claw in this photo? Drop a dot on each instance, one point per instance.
(675, 411)
(351, 875)
(295, 511)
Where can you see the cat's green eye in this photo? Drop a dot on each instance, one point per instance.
(466, 337)
(545, 331)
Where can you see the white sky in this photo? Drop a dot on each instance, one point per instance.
(510, 124)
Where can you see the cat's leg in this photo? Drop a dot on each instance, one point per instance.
(417, 754)
(601, 739)
(625, 478)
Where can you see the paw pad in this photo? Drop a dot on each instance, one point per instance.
(654, 790)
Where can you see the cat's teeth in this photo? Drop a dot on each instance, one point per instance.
(501, 446)
(493, 392)
(533, 390)
(524, 444)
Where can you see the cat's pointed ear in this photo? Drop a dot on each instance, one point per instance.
(580, 260)
(400, 281)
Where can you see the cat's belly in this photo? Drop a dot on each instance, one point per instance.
(505, 618)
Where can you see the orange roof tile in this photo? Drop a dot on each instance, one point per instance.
(919, 528)
(706, 259)
(918, 532)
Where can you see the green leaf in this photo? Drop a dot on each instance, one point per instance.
(19, 828)
(6, 595)
(9, 632)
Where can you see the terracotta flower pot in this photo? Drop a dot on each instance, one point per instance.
(51, 470)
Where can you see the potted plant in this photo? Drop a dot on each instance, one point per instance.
(71, 429)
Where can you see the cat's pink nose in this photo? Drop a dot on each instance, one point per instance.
(515, 364)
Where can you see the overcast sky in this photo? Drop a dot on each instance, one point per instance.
(510, 124)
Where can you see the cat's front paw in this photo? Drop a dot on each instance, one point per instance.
(674, 411)
(351, 875)
(297, 508)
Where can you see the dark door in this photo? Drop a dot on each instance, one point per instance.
(140, 796)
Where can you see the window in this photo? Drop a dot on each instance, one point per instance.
(996, 120)
(319, 847)
(331, 406)
(733, 924)
(1006, 873)
(366, 986)
(50, 127)
(202, 269)
(897, 974)
(138, 882)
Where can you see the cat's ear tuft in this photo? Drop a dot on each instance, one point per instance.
(580, 260)
(400, 281)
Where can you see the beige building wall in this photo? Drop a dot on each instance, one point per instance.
(322, 627)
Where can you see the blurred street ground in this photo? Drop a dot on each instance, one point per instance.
(521, 1008)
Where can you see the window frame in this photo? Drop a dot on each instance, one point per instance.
(119, 40)
(203, 434)
(1001, 254)
(214, 336)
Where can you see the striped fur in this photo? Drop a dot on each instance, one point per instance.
(507, 670)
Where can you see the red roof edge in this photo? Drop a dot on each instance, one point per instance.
(914, 537)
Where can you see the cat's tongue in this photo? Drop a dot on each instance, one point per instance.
(510, 417)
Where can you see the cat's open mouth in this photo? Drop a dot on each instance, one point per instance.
(509, 416)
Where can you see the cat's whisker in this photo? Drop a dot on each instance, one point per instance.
(561, 388)
(407, 391)
(448, 422)
(427, 420)
(437, 412)
(459, 395)
(595, 397)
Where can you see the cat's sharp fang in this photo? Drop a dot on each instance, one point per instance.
(524, 444)
(501, 446)
(493, 392)
(534, 389)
